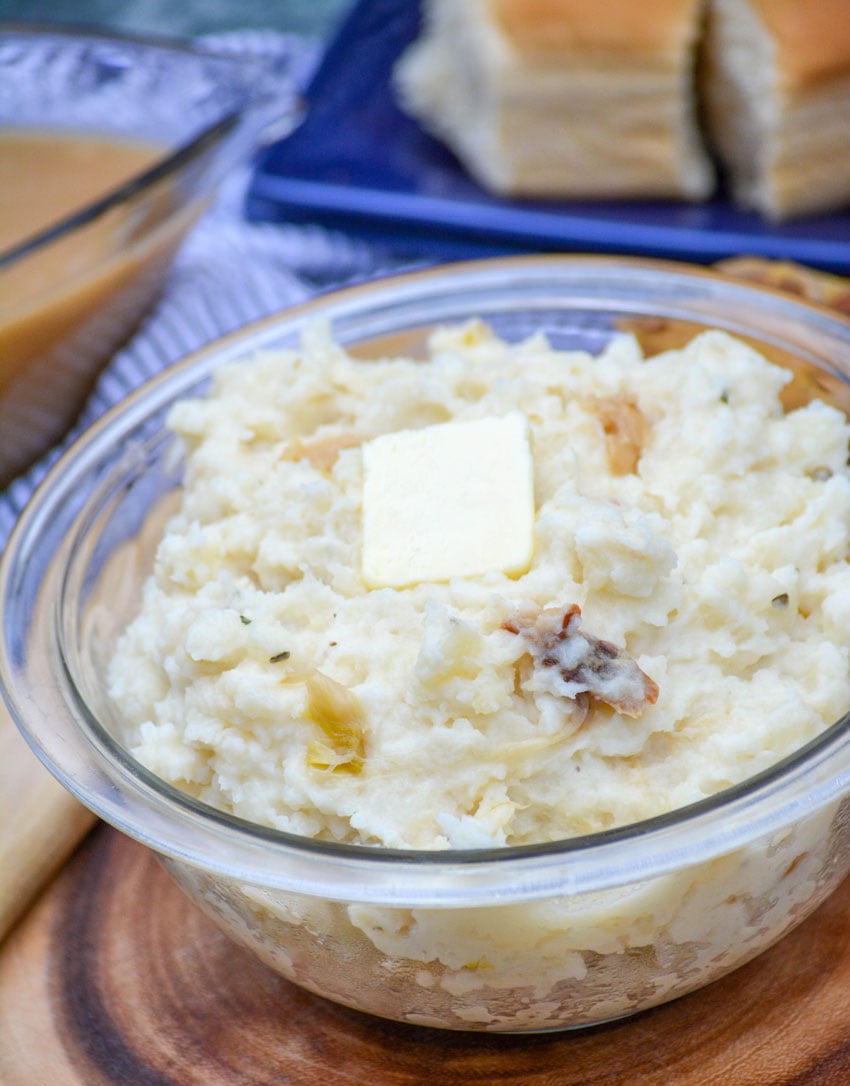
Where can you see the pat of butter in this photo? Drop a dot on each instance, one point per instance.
(451, 500)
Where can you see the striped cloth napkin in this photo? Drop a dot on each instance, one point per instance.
(228, 272)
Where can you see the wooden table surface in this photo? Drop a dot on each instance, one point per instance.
(114, 977)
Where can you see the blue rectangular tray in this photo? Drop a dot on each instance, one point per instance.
(357, 163)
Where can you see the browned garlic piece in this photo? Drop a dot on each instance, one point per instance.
(580, 666)
(338, 712)
(322, 452)
(624, 425)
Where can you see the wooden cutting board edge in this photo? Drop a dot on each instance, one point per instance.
(115, 978)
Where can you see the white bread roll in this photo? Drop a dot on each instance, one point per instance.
(776, 83)
(563, 98)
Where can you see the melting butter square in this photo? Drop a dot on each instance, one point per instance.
(451, 500)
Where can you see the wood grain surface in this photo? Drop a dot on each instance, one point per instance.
(116, 978)
(40, 824)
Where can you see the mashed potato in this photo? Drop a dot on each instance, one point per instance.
(687, 524)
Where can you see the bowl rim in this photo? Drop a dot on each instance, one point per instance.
(169, 162)
(435, 877)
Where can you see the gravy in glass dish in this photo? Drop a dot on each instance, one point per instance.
(86, 236)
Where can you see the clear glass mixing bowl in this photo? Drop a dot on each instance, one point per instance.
(531, 938)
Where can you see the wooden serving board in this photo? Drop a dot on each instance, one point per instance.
(40, 825)
(114, 977)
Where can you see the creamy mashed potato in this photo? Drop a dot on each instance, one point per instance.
(701, 531)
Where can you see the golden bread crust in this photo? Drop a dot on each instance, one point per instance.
(626, 26)
(811, 37)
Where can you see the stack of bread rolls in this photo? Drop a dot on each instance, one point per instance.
(619, 99)
(775, 80)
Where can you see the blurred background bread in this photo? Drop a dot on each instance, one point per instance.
(775, 80)
(563, 97)
(619, 99)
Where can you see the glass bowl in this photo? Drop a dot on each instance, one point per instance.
(531, 938)
(73, 291)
